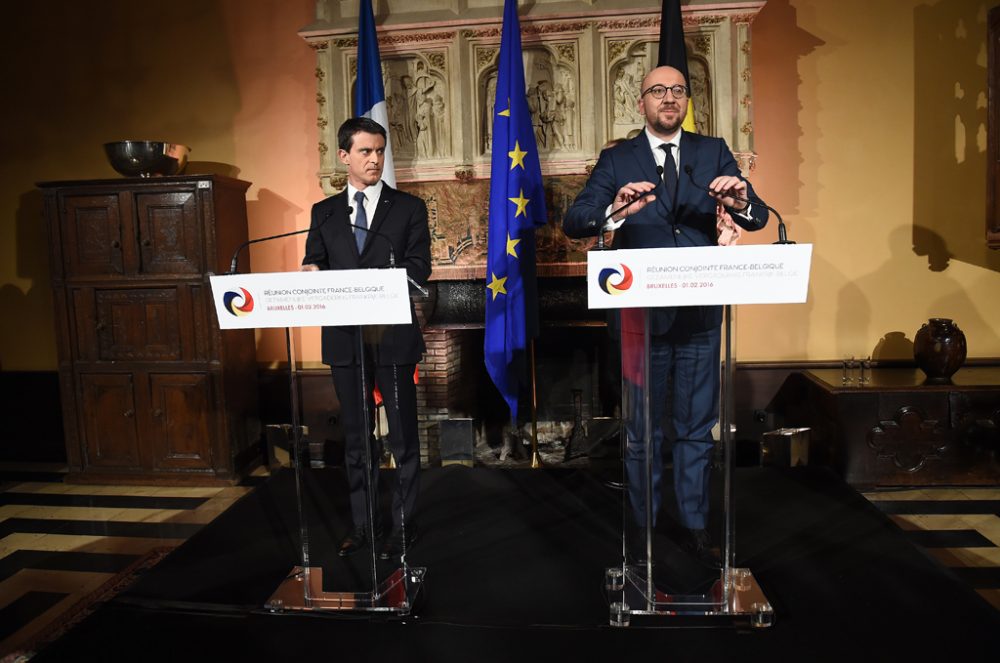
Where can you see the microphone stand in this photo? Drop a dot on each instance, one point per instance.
(366, 416)
(236, 254)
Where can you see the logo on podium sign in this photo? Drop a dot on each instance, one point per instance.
(238, 303)
(614, 281)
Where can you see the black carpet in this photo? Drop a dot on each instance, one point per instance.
(515, 568)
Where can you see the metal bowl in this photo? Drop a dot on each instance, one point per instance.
(146, 158)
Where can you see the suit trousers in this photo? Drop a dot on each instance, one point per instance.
(399, 397)
(692, 360)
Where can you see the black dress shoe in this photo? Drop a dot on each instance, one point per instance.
(356, 540)
(393, 545)
(698, 542)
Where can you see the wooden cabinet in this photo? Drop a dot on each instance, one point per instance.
(897, 430)
(152, 390)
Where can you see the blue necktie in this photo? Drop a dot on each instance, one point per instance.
(361, 220)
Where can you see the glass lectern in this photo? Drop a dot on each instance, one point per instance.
(666, 569)
(370, 578)
(678, 530)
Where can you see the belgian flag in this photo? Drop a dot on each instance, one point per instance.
(673, 53)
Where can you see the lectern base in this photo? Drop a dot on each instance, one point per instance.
(302, 590)
(634, 600)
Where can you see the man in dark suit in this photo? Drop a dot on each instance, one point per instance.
(353, 230)
(671, 211)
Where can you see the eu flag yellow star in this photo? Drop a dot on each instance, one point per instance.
(497, 285)
(517, 156)
(511, 243)
(506, 112)
(521, 202)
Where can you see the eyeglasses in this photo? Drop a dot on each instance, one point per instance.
(660, 91)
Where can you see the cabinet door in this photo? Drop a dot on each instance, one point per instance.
(169, 232)
(92, 235)
(108, 419)
(137, 324)
(181, 420)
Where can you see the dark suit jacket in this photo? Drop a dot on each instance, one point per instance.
(688, 221)
(330, 244)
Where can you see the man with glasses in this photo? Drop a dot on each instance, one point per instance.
(645, 185)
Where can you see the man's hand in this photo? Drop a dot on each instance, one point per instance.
(726, 188)
(727, 232)
(309, 268)
(636, 193)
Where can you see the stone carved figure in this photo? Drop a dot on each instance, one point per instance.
(440, 119)
(407, 110)
(490, 103)
(416, 94)
(534, 107)
(701, 96)
(425, 129)
(552, 108)
(625, 89)
(564, 109)
(547, 115)
(621, 97)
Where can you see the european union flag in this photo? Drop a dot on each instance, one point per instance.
(517, 207)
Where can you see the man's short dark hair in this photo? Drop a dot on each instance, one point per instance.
(345, 135)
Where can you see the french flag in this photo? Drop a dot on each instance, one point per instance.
(369, 92)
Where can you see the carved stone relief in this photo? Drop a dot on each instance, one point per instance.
(627, 70)
(552, 92)
(416, 96)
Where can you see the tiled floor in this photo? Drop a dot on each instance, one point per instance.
(960, 527)
(62, 545)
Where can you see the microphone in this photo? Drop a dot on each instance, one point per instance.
(236, 254)
(782, 233)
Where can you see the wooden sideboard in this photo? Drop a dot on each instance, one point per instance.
(152, 391)
(897, 430)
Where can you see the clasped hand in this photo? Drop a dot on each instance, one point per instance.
(726, 189)
(636, 193)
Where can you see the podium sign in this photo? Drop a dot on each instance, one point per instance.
(698, 276)
(325, 298)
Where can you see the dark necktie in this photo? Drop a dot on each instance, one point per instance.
(361, 220)
(670, 173)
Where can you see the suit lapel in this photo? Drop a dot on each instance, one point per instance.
(689, 157)
(342, 215)
(647, 162)
(644, 157)
(384, 203)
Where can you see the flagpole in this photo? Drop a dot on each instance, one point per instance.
(536, 460)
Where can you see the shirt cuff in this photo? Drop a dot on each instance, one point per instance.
(746, 213)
